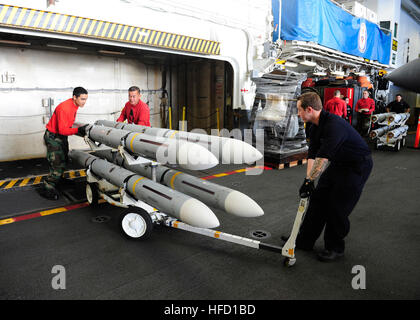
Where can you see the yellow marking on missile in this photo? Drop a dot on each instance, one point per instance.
(173, 179)
(11, 184)
(52, 211)
(24, 182)
(37, 180)
(175, 224)
(291, 252)
(7, 221)
(12, 15)
(135, 183)
(72, 174)
(82, 173)
(1, 182)
(173, 134)
(217, 234)
(132, 140)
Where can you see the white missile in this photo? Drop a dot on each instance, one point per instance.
(397, 132)
(398, 117)
(380, 117)
(380, 132)
(172, 202)
(227, 150)
(188, 155)
(226, 199)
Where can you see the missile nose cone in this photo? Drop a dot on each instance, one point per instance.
(195, 157)
(239, 204)
(238, 152)
(197, 214)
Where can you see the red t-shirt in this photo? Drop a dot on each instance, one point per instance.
(363, 103)
(63, 118)
(336, 106)
(138, 114)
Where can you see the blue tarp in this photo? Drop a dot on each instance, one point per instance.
(326, 24)
(275, 7)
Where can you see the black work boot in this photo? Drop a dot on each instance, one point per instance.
(48, 193)
(330, 255)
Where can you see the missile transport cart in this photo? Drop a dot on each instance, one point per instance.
(392, 131)
(137, 220)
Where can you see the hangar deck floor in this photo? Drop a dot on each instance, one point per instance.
(173, 264)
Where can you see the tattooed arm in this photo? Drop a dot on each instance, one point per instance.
(315, 168)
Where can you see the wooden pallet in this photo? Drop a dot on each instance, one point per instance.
(276, 162)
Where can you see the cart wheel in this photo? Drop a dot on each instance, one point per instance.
(397, 146)
(136, 223)
(289, 262)
(92, 194)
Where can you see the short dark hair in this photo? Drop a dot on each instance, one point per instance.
(310, 99)
(398, 94)
(134, 88)
(78, 91)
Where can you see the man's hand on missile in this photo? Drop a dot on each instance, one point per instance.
(82, 130)
(307, 188)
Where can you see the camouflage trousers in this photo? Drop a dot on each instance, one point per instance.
(57, 156)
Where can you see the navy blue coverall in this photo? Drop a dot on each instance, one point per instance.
(339, 187)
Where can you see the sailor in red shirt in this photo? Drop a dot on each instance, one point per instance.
(135, 111)
(56, 139)
(364, 109)
(336, 105)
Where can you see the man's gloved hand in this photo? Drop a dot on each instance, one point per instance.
(307, 188)
(82, 130)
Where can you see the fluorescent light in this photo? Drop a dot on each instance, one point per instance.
(60, 47)
(15, 42)
(338, 73)
(112, 52)
(319, 73)
(291, 64)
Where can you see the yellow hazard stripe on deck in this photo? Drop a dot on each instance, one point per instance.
(27, 181)
(26, 18)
